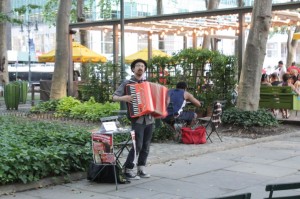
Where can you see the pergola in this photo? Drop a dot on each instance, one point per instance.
(194, 24)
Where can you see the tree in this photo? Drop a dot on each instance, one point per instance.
(50, 11)
(83, 38)
(78, 15)
(4, 9)
(210, 5)
(249, 85)
(6, 18)
(159, 11)
(62, 52)
(291, 46)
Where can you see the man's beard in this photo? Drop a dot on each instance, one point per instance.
(139, 73)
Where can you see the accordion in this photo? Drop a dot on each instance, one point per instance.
(148, 98)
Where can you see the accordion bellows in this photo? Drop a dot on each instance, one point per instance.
(148, 99)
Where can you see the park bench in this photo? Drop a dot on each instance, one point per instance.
(277, 97)
(283, 187)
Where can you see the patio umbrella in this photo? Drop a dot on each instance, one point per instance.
(143, 54)
(80, 54)
(296, 36)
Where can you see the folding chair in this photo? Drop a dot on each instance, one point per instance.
(114, 149)
(239, 196)
(214, 120)
(281, 187)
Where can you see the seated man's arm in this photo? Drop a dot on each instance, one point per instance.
(189, 97)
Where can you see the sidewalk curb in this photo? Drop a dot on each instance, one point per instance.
(19, 187)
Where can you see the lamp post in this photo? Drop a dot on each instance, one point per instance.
(28, 26)
(122, 41)
(122, 104)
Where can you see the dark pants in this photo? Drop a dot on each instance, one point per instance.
(143, 136)
(187, 116)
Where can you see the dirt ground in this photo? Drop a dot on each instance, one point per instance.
(258, 132)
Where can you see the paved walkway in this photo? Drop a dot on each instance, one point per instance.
(236, 165)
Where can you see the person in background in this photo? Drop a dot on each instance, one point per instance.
(281, 70)
(265, 80)
(274, 80)
(293, 79)
(163, 76)
(293, 66)
(297, 86)
(234, 95)
(294, 73)
(177, 99)
(287, 80)
(143, 125)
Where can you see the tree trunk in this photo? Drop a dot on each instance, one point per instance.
(240, 3)
(62, 52)
(4, 7)
(249, 86)
(8, 28)
(211, 5)
(238, 53)
(83, 39)
(161, 41)
(159, 7)
(291, 47)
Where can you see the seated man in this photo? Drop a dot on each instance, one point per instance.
(177, 101)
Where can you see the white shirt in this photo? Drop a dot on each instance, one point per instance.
(281, 72)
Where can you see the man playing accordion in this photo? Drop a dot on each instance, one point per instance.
(142, 125)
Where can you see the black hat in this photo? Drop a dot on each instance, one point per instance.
(280, 62)
(136, 61)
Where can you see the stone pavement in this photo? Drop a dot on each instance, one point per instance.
(234, 166)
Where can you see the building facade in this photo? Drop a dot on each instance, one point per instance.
(43, 40)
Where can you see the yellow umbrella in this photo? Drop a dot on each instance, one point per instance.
(296, 36)
(143, 54)
(80, 54)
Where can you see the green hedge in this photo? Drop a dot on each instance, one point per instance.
(31, 150)
(72, 108)
(238, 117)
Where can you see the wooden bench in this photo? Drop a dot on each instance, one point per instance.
(277, 97)
(239, 196)
(283, 187)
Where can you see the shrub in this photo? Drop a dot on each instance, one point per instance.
(65, 105)
(44, 107)
(71, 107)
(238, 117)
(31, 150)
(93, 111)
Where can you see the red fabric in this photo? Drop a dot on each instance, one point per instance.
(163, 77)
(193, 136)
(293, 67)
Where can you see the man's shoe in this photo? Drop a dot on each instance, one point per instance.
(142, 173)
(130, 175)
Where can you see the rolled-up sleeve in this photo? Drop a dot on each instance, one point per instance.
(120, 90)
